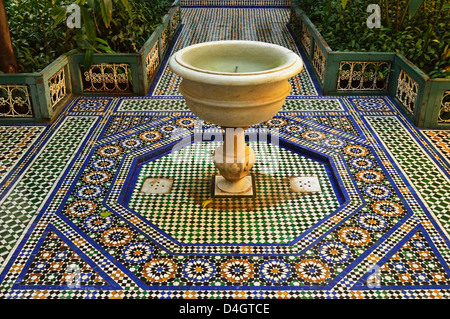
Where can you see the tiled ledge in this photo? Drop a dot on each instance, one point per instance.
(236, 3)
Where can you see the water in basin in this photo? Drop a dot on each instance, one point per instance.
(236, 64)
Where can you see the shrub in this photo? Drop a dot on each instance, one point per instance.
(424, 39)
(39, 33)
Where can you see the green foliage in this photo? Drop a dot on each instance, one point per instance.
(39, 32)
(414, 5)
(128, 33)
(35, 43)
(419, 30)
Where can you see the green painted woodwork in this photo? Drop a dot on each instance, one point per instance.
(31, 80)
(38, 82)
(430, 91)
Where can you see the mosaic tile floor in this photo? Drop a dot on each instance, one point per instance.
(74, 223)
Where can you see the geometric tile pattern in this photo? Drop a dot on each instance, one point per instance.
(15, 141)
(267, 218)
(90, 105)
(149, 104)
(370, 104)
(322, 104)
(121, 123)
(338, 122)
(28, 194)
(414, 264)
(431, 182)
(71, 227)
(55, 263)
(175, 104)
(440, 140)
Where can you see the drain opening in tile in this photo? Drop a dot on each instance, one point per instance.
(157, 185)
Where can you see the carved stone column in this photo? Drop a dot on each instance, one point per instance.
(234, 159)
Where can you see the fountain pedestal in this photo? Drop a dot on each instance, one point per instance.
(235, 84)
(234, 159)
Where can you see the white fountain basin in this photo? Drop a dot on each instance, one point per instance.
(235, 83)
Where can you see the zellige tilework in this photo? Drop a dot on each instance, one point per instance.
(268, 218)
(432, 183)
(440, 140)
(28, 195)
(15, 141)
(74, 223)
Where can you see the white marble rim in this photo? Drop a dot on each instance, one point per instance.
(290, 67)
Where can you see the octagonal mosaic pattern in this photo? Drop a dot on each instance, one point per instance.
(275, 216)
(73, 224)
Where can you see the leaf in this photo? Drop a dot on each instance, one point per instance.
(105, 214)
(85, 45)
(59, 14)
(106, 11)
(206, 203)
(127, 6)
(328, 7)
(105, 48)
(446, 55)
(88, 59)
(130, 78)
(73, 51)
(427, 35)
(344, 3)
(101, 41)
(91, 4)
(89, 25)
(414, 5)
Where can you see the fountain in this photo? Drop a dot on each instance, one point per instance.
(235, 84)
